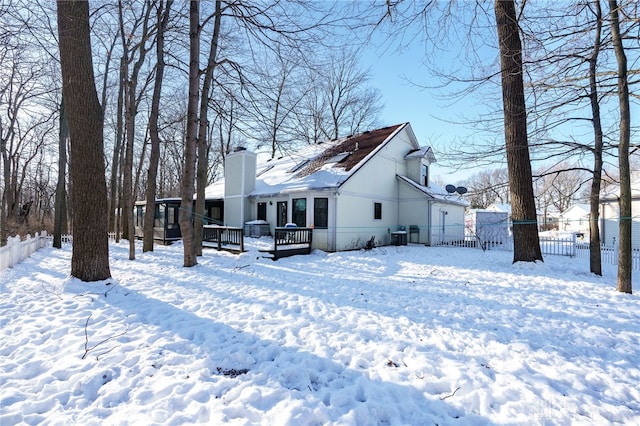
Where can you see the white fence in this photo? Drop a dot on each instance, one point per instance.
(568, 245)
(17, 250)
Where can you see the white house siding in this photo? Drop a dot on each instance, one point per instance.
(414, 210)
(576, 219)
(609, 220)
(447, 223)
(356, 223)
(322, 238)
(374, 182)
(240, 179)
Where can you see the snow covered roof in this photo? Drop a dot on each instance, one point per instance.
(436, 192)
(498, 207)
(612, 193)
(315, 167)
(579, 209)
(422, 152)
(506, 208)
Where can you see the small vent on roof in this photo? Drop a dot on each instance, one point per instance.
(338, 158)
(239, 148)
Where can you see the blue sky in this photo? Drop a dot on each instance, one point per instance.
(396, 74)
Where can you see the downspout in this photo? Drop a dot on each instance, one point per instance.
(429, 222)
(243, 190)
(398, 202)
(602, 224)
(334, 232)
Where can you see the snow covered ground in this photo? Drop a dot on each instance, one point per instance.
(396, 335)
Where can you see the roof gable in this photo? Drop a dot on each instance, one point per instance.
(435, 192)
(349, 152)
(315, 167)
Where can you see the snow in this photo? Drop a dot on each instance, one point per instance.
(275, 176)
(395, 335)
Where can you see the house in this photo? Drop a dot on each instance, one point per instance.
(166, 228)
(576, 219)
(506, 208)
(373, 184)
(610, 213)
(486, 227)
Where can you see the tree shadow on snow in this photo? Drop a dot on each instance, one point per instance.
(325, 390)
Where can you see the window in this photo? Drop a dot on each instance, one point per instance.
(215, 213)
(281, 219)
(377, 211)
(425, 175)
(159, 216)
(262, 211)
(172, 217)
(299, 213)
(320, 213)
(139, 216)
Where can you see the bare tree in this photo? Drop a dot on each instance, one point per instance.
(203, 127)
(191, 142)
(595, 255)
(24, 119)
(131, 102)
(488, 187)
(352, 106)
(276, 98)
(624, 237)
(523, 209)
(90, 255)
(561, 184)
(154, 155)
(60, 225)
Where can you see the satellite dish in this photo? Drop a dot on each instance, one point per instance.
(461, 190)
(450, 189)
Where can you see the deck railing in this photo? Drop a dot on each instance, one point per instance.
(223, 238)
(292, 241)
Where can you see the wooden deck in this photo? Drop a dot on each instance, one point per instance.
(291, 242)
(286, 242)
(223, 238)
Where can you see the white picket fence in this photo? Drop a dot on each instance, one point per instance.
(566, 245)
(18, 250)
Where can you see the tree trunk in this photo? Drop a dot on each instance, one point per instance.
(595, 255)
(114, 196)
(188, 174)
(203, 146)
(131, 111)
(154, 154)
(60, 222)
(523, 209)
(90, 255)
(624, 238)
(127, 183)
(4, 202)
